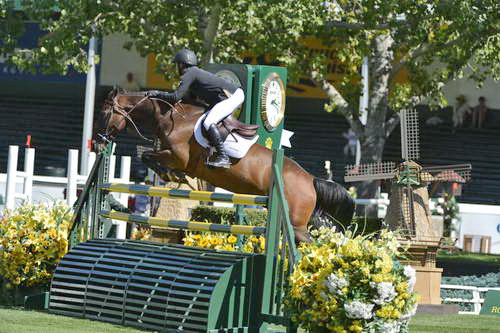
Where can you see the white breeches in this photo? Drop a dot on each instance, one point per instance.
(223, 109)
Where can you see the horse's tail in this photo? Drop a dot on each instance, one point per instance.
(334, 205)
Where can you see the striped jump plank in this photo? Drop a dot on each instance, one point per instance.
(155, 191)
(187, 225)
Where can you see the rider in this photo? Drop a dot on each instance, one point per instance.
(222, 97)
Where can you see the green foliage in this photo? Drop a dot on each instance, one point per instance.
(466, 257)
(367, 226)
(488, 280)
(225, 215)
(220, 30)
(6, 294)
(434, 40)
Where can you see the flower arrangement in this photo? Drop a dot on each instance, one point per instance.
(347, 283)
(226, 242)
(33, 238)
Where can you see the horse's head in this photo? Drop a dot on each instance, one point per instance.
(117, 112)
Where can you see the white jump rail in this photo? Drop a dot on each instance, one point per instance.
(476, 297)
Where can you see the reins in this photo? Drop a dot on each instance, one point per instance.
(126, 114)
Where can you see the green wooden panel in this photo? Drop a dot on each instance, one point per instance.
(265, 95)
(269, 103)
(491, 304)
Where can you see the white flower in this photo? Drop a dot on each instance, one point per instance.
(388, 327)
(410, 273)
(359, 310)
(335, 284)
(385, 291)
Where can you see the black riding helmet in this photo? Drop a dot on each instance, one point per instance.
(187, 57)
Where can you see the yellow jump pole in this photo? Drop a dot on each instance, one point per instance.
(155, 191)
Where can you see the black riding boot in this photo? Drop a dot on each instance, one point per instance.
(221, 160)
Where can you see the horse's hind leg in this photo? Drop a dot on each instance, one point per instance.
(301, 209)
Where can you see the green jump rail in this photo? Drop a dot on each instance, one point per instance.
(186, 225)
(154, 191)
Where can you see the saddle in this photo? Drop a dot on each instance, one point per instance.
(230, 125)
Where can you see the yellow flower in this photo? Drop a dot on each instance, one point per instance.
(205, 243)
(228, 247)
(384, 312)
(355, 327)
(405, 295)
(232, 239)
(402, 287)
(339, 329)
(52, 233)
(365, 270)
(248, 248)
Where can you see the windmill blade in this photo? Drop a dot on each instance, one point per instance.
(408, 210)
(455, 173)
(410, 149)
(371, 171)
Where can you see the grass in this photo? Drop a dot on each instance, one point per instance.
(19, 321)
(454, 324)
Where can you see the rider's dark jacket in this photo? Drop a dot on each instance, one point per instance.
(204, 85)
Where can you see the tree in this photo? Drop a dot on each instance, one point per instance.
(396, 35)
(220, 30)
(434, 41)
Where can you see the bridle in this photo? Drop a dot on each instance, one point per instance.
(116, 107)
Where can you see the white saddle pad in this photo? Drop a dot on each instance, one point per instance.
(235, 145)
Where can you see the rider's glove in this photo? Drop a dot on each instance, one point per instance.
(154, 93)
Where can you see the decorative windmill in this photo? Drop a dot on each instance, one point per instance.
(409, 201)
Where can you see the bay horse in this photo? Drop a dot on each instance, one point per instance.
(309, 198)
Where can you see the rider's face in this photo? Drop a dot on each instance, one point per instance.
(181, 68)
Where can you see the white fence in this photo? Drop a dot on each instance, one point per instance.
(476, 299)
(19, 185)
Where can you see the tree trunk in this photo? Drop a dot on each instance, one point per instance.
(209, 25)
(374, 133)
(374, 136)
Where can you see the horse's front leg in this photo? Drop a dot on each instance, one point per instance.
(163, 164)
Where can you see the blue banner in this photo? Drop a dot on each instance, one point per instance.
(30, 40)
